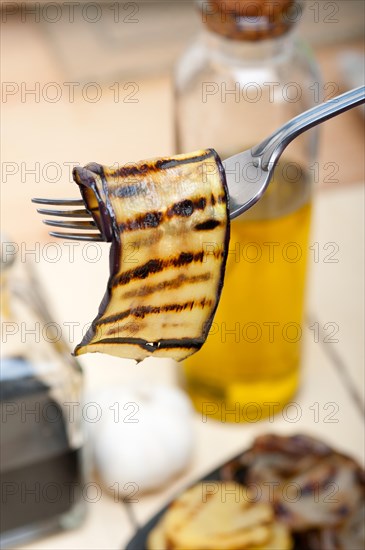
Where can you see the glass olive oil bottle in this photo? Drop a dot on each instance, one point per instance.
(245, 76)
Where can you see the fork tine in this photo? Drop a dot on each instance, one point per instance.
(65, 213)
(59, 202)
(70, 225)
(96, 237)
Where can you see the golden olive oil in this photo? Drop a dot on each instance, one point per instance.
(248, 368)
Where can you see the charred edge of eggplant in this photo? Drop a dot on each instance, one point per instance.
(223, 179)
(108, 228)
(164, 343)
(158, 164)
(87, 183)
(114, 258)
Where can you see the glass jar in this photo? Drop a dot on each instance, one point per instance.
(41, 466)
(246, 75)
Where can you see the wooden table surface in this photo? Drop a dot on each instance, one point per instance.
(54, 134)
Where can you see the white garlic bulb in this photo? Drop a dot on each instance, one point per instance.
(143, 438)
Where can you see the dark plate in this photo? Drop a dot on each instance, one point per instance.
(139, 541)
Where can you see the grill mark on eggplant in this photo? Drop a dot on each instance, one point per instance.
(132, 327)
(156, 166)
(158, 265)
(144, 221)
(171, 284)
(208, 225)
(164, 164)
(153, 219)
(142, 311)
(167, 343)
(186, 207)
(128, 191)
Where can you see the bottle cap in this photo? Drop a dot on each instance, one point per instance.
(250, 19)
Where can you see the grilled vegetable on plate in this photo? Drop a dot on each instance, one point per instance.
(252, 496)
(168, 223)
(219, 516)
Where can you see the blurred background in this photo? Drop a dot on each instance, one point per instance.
(94, 81)
(129, 52)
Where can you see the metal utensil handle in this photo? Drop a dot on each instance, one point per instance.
(272, 147)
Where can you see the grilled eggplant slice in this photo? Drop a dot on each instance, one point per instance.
(168, 223)
(329, 489)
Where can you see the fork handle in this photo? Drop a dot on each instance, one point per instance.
(272, 147)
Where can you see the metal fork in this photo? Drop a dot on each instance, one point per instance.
(248, 173)
(85, 224)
